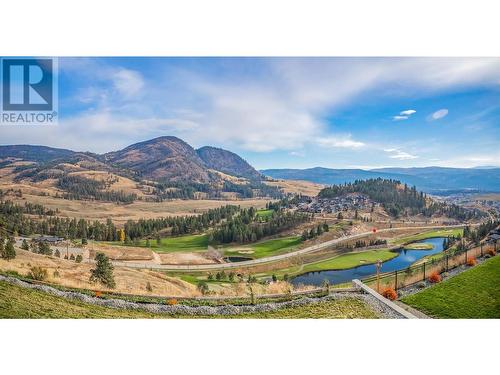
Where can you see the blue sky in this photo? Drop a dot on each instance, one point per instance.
(284, 112)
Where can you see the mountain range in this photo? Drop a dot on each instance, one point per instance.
(161, 159)
(172, 160)
(430, 179)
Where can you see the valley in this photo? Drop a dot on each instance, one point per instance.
(223, 230)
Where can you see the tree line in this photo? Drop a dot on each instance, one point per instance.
(78, 188)
(247, 227)
(398, 199)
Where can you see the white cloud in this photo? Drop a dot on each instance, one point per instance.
(395, 153)
(280, 107)
(127, 82)
(408, 112)
(439, 114)
(404, 115)
(342, 142)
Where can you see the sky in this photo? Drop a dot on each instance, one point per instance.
(283, 112)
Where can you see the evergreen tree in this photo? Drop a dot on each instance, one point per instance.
(103, 272)
(25, 245)
(9, 252)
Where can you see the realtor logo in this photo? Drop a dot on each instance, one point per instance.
(29, 89)
(27, 85)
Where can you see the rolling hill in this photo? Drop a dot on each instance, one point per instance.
(227, 162)
(161, 168)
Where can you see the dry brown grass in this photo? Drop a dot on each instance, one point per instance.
(299, 187)
(184, 258)
(76, 275)
(120, 213)
(123, 253)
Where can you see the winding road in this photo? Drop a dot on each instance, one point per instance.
(271, 259)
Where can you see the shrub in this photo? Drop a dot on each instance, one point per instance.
(471, 262)
(72, 257)
(171, 301)
(25, 245)
(390, 294)
(38, 273)
(491, 252)
(56, 274)
(149, 288)
(435, 278)
(44, 248)
(203, 287)
(57, 253)
(78, 258)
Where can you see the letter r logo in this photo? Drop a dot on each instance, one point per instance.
(27, 85)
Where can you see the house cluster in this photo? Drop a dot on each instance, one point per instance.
(51, 240)
(332, 205)
(493, 236)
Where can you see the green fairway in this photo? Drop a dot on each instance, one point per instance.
(197, 242)
(351, 260)
(21, 303)
(339, 262)
(265, 248)
(429, 234)
(182, 243)
(275, 247)
(471, 294)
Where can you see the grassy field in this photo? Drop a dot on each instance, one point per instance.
(338, 262)
(351, 260)
(471, 294)
(197, 242)
(430, 234)
(264, 213)
(274, 247)
(21, 303)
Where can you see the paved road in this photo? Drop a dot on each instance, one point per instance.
(272, 259)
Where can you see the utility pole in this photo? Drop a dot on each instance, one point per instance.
(378, 265)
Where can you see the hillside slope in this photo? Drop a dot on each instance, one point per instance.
(162, 158)
(227, 162)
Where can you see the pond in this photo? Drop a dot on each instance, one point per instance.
(236, 259)
(404, 259)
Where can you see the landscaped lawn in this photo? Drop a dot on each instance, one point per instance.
(430, 234)
(474, 293)
(17, 302)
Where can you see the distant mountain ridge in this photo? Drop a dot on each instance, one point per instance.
(428, 179)
(165, 158)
